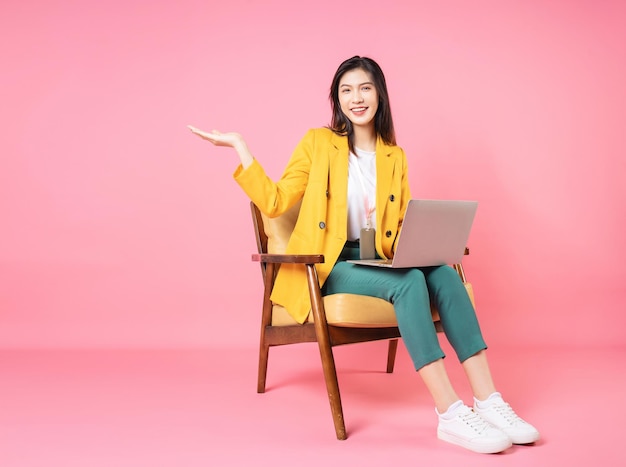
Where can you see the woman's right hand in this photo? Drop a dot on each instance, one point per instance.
(231, 139)
(218, 138)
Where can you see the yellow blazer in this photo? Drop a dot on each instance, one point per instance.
(317, 173)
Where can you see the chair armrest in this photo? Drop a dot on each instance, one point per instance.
(459, 268)
(299, 259)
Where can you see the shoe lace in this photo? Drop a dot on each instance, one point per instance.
(474, 421)
(508, 413)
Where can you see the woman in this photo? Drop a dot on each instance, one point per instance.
(352, 180)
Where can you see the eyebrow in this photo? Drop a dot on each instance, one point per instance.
(360, 84)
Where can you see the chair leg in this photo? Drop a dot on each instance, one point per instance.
(266, 319)
(391, 356)
(326, 352)
(264, 352)
(332, 387)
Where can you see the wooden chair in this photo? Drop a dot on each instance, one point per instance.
(334, 320)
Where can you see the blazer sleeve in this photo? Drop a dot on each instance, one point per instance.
(275, 198)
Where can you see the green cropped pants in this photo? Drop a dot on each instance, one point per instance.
(411, 292)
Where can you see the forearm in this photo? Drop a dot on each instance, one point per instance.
(244, 154)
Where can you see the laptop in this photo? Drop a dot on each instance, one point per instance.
(434, 232)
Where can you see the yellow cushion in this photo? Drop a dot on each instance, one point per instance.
(346, 310)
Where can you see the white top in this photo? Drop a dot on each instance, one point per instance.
(361, 192)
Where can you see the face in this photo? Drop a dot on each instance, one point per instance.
(358, 97)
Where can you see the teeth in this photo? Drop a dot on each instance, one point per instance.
(359, 109)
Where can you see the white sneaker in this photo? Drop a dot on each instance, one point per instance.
(501, 415)
(469, 430)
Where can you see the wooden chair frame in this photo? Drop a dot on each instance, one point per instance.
(327, 336)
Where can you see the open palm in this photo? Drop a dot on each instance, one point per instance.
(230, 139)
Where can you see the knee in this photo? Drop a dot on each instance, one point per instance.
(412, 279)
(410, 288)
(443, 275)
(413, 275)
(444, 279)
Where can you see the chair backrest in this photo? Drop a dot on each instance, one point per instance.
(272, 234)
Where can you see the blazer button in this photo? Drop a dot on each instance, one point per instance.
(322, 225)
(388, 233)
(327, 193)
(392, 198)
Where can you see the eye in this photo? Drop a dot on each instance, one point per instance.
(366, 88)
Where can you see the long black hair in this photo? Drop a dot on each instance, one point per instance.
(383, 123)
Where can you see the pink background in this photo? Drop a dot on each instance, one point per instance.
(121, 229)
(129, 307)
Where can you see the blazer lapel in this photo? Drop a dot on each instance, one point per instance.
(338, 175)
(338, 179)
(385, 163)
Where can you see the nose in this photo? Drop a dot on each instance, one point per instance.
(357, 96)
